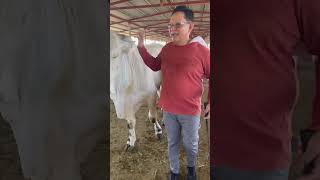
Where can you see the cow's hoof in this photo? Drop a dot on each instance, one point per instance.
(129, 148)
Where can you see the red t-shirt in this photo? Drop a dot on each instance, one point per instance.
(254, 79)
(182, 68)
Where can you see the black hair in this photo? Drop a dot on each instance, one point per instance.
(188, 13)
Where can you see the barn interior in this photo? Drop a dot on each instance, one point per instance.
(129, 17)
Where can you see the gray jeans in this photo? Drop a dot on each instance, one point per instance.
(187, 126)
(226, 173)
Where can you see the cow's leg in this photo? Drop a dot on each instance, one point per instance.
(132, 133)
(153, 116)
(161, 113)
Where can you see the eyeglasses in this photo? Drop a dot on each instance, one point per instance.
(177, 25)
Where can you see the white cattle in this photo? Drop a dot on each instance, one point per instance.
(132, 83)
(200, 40)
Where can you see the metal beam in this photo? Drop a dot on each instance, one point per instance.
(150, 34)
(147, 26)
(117, 27)
(142, 17)
(136, 34)
(152, 20)
(155, 24)
(166, 32)
(156, 14)
(196, 32)
(112, 15)
(199, 12)
(118, 2)
(122, 29)
(156, 35)
(162, 31)
(163, 5)
(165, 29)
(196, 19)
(163, 26)
(196, 23)
(120, 26)
(126, 30)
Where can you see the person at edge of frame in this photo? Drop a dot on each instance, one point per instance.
(255, 88)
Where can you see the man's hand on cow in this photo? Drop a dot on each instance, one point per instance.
(141, 38)
(312, 153)
(206, 111)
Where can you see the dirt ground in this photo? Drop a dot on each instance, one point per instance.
(149, 161)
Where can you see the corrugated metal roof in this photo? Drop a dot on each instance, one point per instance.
(131, 16)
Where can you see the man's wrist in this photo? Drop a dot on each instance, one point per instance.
(140, 45)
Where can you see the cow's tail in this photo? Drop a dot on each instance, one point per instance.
(158, 91)
(157, 81)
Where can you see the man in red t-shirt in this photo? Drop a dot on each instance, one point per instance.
(255, 87)
(184, 64)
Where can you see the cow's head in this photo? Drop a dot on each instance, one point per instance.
(120, 78)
